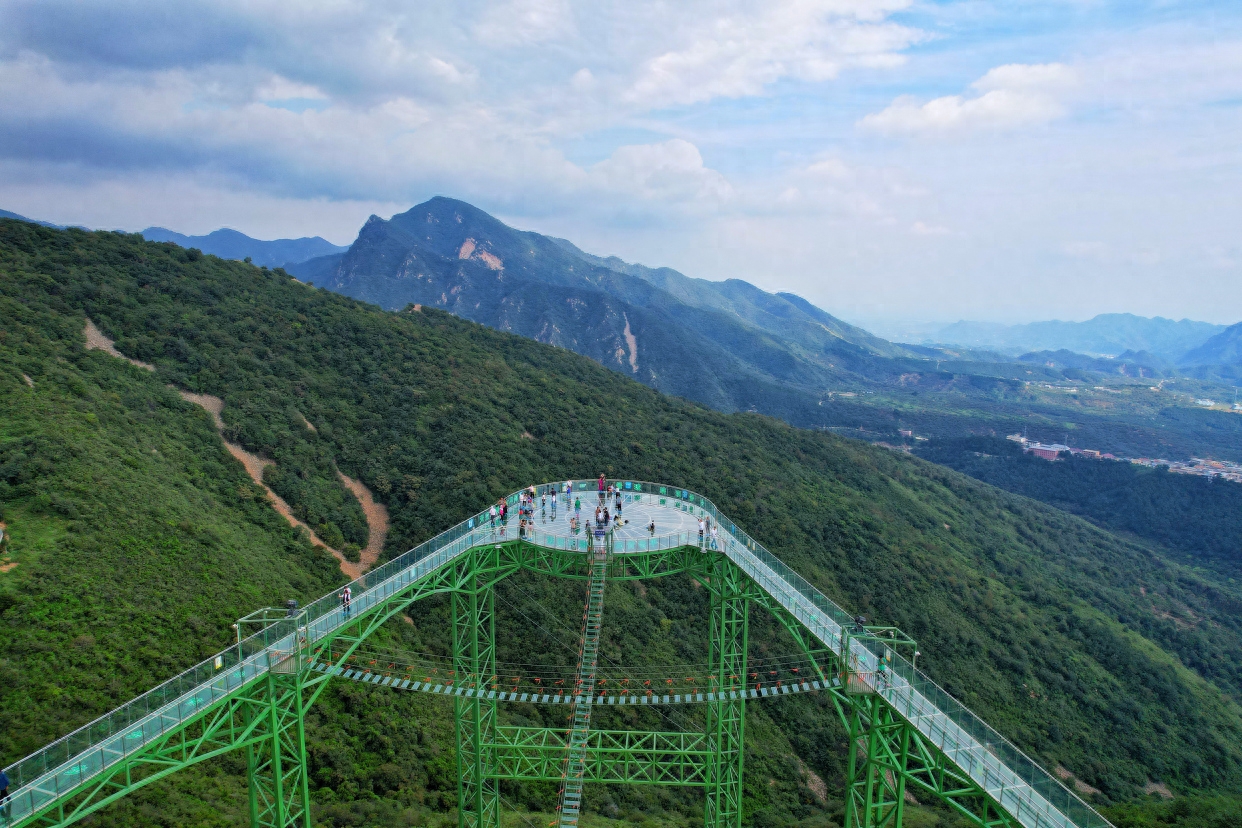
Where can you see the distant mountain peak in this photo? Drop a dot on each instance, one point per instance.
(726, 344)
(228, 243)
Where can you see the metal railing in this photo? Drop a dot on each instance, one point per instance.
(1032, 795)
(1028, 792)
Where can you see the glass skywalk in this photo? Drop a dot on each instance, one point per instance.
(1023, 789)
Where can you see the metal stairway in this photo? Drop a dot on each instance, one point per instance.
(584, 693)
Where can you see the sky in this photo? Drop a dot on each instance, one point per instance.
(896, 162)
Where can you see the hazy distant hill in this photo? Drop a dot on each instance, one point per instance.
(727, 344)
(1223, 349)
(230, 244)
(1108, 334)
(1128, 364)
(786, 315)
(8, 215)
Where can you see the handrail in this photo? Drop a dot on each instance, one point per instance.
(1030, 793)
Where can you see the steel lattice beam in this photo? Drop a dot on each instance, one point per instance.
(629, 756)
(265, 715)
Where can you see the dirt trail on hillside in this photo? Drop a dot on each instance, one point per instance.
(377, 520)
(97, 341)
(376, 514)
(254, 467)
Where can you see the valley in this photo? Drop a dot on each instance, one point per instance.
(1092, 652)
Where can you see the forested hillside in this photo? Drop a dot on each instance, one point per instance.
(1196, 516)
(135, 540)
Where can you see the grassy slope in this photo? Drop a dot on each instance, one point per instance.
(1025, 613)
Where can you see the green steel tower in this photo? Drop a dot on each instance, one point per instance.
(906, 735)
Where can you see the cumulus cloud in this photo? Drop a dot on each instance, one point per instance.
(739, 55)
(525, 22)
(1007, 97)
(671, 171)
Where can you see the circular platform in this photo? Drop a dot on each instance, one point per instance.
(676, 523)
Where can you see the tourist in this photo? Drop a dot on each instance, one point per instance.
(715, 538)
(347, 597)
(543, 505)
(600, 486)
(651, 527)
(491, 516)
(5, 805)
(577, 510)
(702, 529)
(607, 517)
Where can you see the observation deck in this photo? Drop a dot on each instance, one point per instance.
(209, 709)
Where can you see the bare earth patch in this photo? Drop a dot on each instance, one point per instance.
(96, 341)
(632, 342)
(814, 782)
(1158, 788)
(376, 514)
(1080, 786)
(377, 520)
(5, 563)
(254, 465)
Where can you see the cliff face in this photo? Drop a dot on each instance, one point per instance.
(729, 344)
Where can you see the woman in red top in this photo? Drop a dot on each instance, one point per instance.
(601, 488)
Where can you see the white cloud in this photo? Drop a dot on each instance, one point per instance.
(582, 80)
(1012, 96)
(672, 171)
(277, 88)
(739, 55)
(922, 229)
(524, 22)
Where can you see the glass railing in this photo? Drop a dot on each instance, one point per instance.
(1028, 792)
(1021, 786)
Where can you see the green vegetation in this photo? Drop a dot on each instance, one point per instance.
(1039, 621)
(1193, 515)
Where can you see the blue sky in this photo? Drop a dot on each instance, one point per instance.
(890, 160)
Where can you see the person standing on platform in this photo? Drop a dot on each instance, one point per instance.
(600, 486)
(578, 509)
(5, 805)
(347, 597)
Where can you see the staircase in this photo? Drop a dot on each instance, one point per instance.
(584, 693)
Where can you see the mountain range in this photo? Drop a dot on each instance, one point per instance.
(231, 244)
(135, 540)
(727, 344)
(1225, 348)
(9, 215)
(1107, 335)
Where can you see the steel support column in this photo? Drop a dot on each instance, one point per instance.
(276, 764)
(726, 717)
(474, 662)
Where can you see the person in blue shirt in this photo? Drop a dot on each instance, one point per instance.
(4, 796)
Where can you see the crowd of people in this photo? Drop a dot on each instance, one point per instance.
(608, 513)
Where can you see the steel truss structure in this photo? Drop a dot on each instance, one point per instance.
(262, 709)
